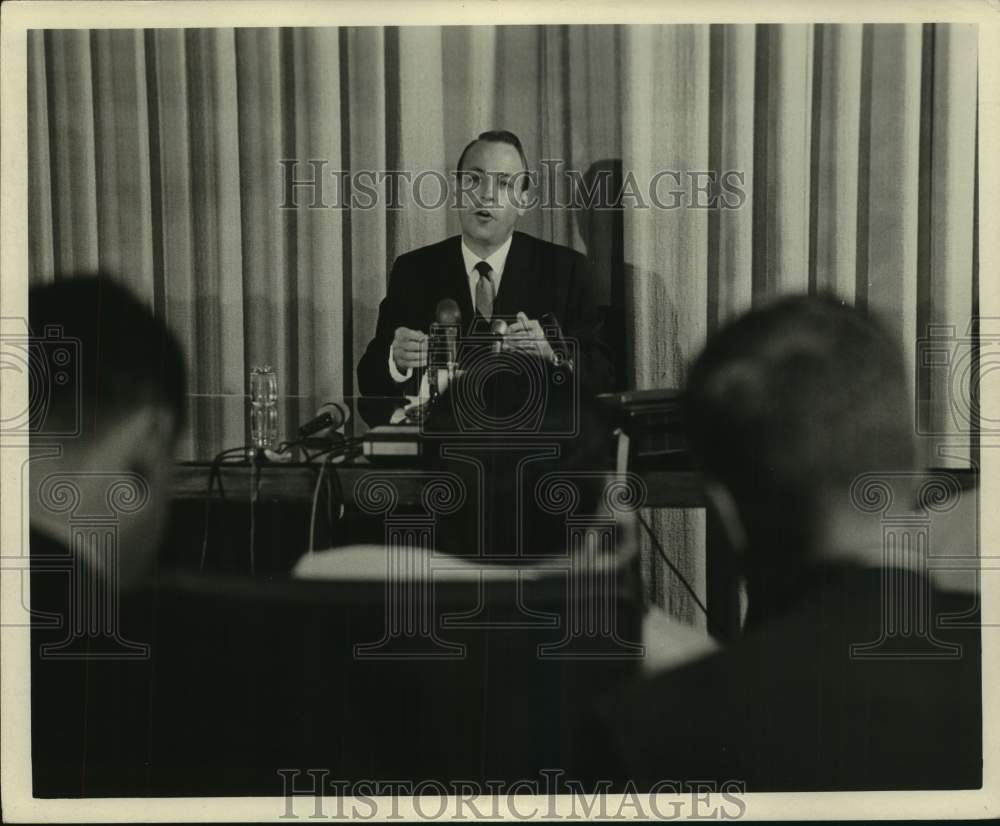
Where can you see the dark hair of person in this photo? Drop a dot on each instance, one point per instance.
(498, 136)
(121, 357)
(788, 404)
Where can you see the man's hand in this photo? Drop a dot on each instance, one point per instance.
(409, 349)
(527, 336)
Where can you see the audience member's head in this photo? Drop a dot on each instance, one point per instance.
(784, 408)
(115, 407)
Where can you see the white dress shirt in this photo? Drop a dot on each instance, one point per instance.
(496, 260)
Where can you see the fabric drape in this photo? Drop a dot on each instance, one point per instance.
(157, 156)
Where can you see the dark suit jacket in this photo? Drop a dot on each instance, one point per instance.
(538, 278)
(89, 699)
(789, 709)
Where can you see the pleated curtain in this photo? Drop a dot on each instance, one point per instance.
(162, 156)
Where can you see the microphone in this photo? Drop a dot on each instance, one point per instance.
(447, 312)
(331, 416)
(499, 328)
(443, 344)
(449, 318)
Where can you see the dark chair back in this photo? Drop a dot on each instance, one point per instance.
(483, 681)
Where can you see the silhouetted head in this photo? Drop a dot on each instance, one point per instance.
(784, 408)
(107, 390)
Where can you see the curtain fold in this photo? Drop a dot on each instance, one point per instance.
(734, 163)
(72, 153)
(421, 103)
(319, 233)
(665, 124)
(950, 237)
(122, 162)
(371, 254)
(41, 243)
(219, 277)
(789, 100)
(731, 146)
(836, 145)
(894, 168)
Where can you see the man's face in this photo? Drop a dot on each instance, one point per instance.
(133, 452)
(490, 193)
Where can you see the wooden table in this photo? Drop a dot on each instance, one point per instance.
(296, 482)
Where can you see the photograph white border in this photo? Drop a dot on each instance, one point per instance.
(18, 17)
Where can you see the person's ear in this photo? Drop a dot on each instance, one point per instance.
(520, 205)
(524, 187)
(143, 444)
(146, 439)
(721, 500)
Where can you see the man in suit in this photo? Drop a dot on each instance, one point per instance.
(102, 445)
(544, 291)
(854, 672)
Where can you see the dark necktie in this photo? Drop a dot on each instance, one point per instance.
(485, 290)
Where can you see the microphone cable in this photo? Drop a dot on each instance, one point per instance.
(680, 577)
(215, 478)
(339, 451)
(255, 478)
(215, 475)
(315, 500)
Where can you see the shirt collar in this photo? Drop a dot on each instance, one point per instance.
(496, 260)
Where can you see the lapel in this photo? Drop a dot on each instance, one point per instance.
(516, 277)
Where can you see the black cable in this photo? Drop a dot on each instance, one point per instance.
(329, 507)
(255, 477)
(315, 501)
(219, 461)
(208, 509)
(337, 488)
(215, 479)
(338, 494)
(676, 572)
(214, 475)
(329, 455)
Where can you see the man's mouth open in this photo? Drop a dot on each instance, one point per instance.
(483, 215)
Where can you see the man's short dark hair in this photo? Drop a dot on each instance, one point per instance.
(498, 136)
(789, 403)
(127, 356)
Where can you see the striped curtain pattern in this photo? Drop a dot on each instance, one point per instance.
(155, 155)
